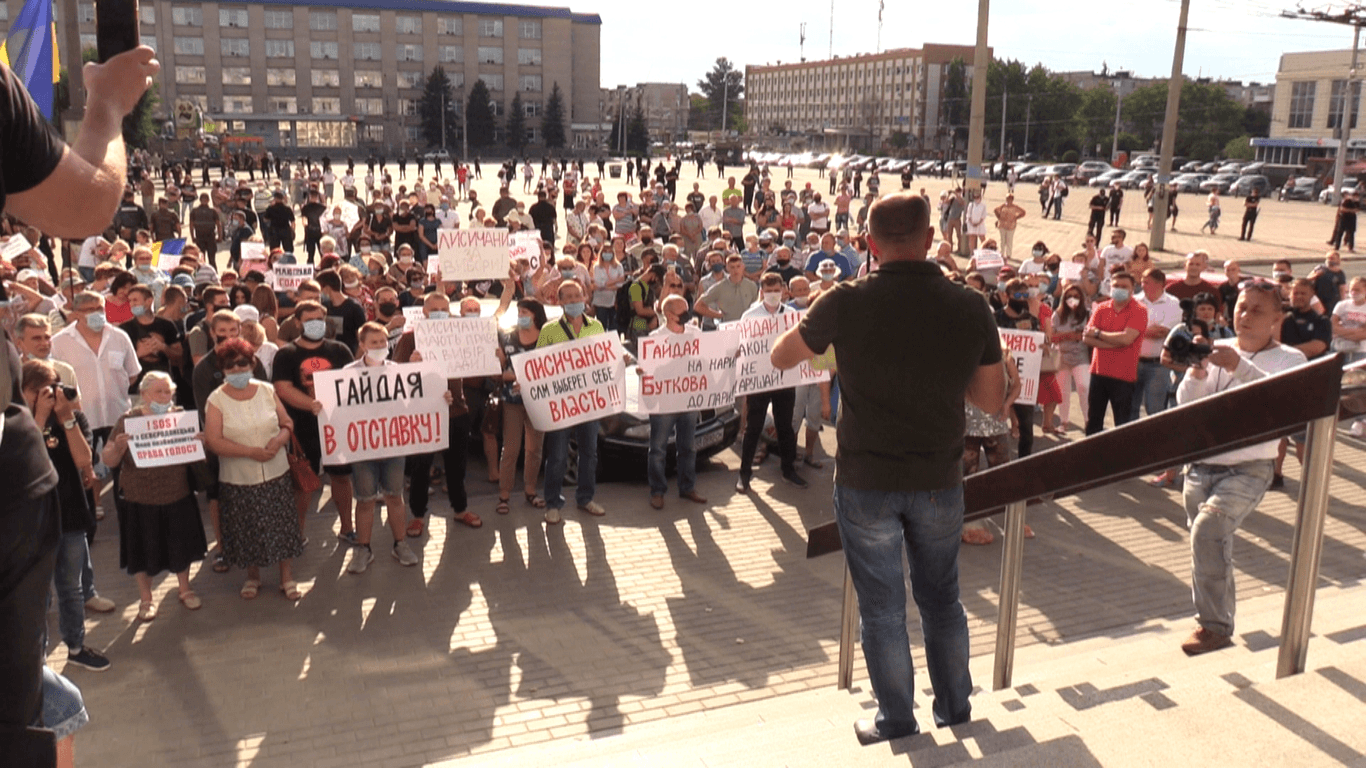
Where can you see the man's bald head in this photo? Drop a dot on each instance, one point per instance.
(899, 227)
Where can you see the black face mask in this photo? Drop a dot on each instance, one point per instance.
(388, 308)
(1019, 305)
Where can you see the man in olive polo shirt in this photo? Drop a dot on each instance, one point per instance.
(727, 300)
(899, 469)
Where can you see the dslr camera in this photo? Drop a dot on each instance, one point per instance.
(1181, 344)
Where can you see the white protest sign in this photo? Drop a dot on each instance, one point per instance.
(1027, 349)
(16, 245)
(377, 412)
(462, 347)
(163, 441)
(350, 215)
(572, 382)
(1071, 271)
(687, 371)
(473, 254)
(253, 250)
(526, 245)
(288, 277)
(253, 265)
(757, 337)
(411, 315)
(985, 259)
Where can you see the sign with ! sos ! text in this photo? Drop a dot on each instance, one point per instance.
(165, 440)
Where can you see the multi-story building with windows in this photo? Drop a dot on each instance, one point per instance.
(1308, 109)
(665, 106)
(350, 73)
(857, 101)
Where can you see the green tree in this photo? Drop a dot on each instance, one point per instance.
(479, 116)
(1239, 148)
(954, 105)
(637, 132)
(140, 125)
(516, 125)
(552, 120)
(436, 98)
(1208, 117)
(1095, 120)
(723, 85)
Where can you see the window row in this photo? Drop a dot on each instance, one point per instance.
(323, 21)
(328, 50)
(322, 78)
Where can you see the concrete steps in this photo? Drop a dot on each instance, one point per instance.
(1124, 701)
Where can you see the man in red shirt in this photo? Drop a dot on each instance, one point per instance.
(1194, 283)
(1115, 330)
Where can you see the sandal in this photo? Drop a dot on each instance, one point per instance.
(813, 463)
(977, 536)
(220, 562)
(535, 501)
(503, 507)
(250, 589)
(470, 519)
(290, 590)
(190, 600)
(147, 610)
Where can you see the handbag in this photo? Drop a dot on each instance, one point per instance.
(1052, 359)
(493, 416)
(300, 468)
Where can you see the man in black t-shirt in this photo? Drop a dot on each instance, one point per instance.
(39, 177)
(405, 228)
(1303, 328)
(278, 225)
(345, 315)
(1097, 222)
(313, 212)
(156, 339)
(292, 375)
(1330, 284)
(543, 216)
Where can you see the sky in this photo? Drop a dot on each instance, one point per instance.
(1234, 39)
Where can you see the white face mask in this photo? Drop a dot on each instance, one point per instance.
(1073, 302)
(376, 355)
(772, 298)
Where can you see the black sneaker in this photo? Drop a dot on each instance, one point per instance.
(89, 658)
(793, 478)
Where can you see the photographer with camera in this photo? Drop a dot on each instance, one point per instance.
(1220, 492)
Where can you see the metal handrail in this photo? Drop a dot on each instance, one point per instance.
(1268, 409)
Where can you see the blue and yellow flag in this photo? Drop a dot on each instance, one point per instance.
(30, 50)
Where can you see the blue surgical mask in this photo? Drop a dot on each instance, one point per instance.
(315, 330)
(718, 268)
(95, 321)
(139, 310)
(158, 408)
(438, 314)
(1119, 294)
(239, 380)
(567, 274)
(574, 308)
(523, 321)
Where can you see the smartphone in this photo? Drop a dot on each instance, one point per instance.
(116, 27)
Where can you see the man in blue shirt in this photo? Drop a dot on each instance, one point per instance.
(828, 252)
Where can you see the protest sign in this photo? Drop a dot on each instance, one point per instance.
(526, 245)
(254, 265)
(473, 254)
(687, 371)
(163, 441)
(462, 347)
(1071, 271)
(252, 250)
(16, 245)
(572, 382)
(985, 259)
(757, 337)
(1027, 349)
(377, 412)
(411, 315)
(288, 277)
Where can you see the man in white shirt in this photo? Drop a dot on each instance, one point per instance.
(819, 214)
(103, 358)
(1164, 313)
(711, 215)
(1220, 492)
(1115, 253)
(576, 222)
(447, 215)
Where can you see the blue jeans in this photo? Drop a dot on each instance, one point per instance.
(74, 580)
(1218, 499)
(875, 527)
(661, 427)
(557, 458)
(1150, 390)
(63, 706)
(376, 477)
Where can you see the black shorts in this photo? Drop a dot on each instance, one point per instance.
(313, 449)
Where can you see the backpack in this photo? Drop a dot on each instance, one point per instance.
(625, 312)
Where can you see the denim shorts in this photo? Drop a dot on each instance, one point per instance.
(371, 478)
(63, 708)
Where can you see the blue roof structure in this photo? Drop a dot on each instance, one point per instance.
(442, 6)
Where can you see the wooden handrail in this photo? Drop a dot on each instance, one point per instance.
(1269, 409)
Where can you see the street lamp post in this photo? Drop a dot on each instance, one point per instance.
(1119, 102)
(1345, 117)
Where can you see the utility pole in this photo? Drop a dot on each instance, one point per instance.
(1156, 238)
(1029, 105)
(725, 102)
(1354, 16)
(802, 42)
(977, 121)
(1119, 102)
(1004, 96)
(831, 54)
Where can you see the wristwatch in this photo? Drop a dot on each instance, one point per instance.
(69, 423)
